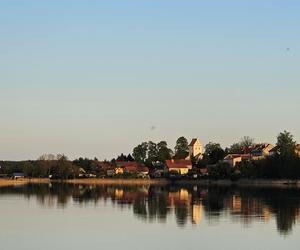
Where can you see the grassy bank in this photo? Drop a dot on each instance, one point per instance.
(10, 182)
(263, 183)
(120, 181)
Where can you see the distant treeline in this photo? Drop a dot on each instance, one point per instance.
(284, 163)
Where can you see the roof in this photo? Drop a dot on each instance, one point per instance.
(233, 156)
(132, 166)
(194, 140)
(260, 147)
(275, 149)
(18, 174)
(178, 163)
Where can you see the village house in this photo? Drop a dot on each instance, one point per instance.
(234, 159)
(297, 151)
(195, 149)
(132, 167)
(17, 176)
(182, 167)
(261, 151)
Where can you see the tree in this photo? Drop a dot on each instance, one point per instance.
(64, 168)
(235, 148)
(152, 154)
(210, 147)
(130, 158)
(181, 148)
(140, 152)
(246, 142)
(164, 153)
(122, 157)
(286, 144)
(214, 152)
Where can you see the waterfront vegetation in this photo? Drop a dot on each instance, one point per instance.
(284, 163)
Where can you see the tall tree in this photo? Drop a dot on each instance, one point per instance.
(164, 153)
(181, 148)
(286, 144)
(246, 143)
(235, 148)
(213, 152)
(140, 152)
(152, 152)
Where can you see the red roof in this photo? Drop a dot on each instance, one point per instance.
(193, 142)
(132, 166)
(178, 164)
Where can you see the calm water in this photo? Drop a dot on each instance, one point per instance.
(148, 217)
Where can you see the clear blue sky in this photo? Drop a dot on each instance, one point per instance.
(90, 78)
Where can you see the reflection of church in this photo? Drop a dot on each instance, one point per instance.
(183, 197)
(196, 213)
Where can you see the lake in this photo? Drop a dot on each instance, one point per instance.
(63, 216)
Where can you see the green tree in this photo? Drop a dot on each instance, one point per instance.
(152, 153)
(286, 144)
(164, 153)
(235, 148)
(140, 152)
(181, 148)
(213, 152)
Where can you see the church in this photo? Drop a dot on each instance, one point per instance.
(195, 149)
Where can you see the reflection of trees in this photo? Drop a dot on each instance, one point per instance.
(181, 213)
(156, 203)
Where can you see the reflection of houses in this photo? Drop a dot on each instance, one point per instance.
(180, 166)
(234, 159)
(196, 213)
(195, 149)
(236, 204)
(260, 151)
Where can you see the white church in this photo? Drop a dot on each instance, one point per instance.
(195, 149)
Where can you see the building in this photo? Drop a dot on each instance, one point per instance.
(17, 176)
(195, 149)
(297, 151)
(234, 159)
(132, 167)
(261, 151)
(182, 167)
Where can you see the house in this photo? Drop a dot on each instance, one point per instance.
(297, 150)
(234, 159)
(180, 166)
(195, 149)
(261, 151)
(274, 151)
(17, 176)
(131, 167)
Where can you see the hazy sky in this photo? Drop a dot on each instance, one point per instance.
(90, 78)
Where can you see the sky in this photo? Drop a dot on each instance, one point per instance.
(95, 78)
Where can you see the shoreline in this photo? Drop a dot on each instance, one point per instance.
(259, 183)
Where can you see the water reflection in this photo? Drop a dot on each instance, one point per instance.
(188, 204)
